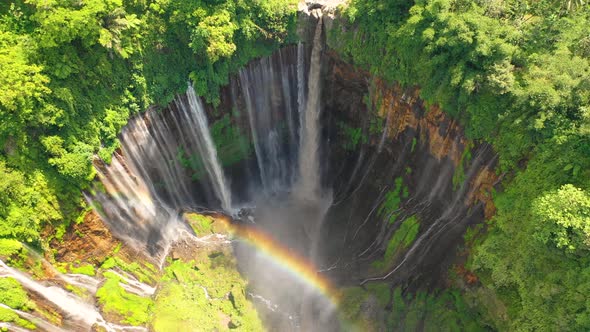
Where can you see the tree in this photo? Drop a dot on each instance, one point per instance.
(564, 218)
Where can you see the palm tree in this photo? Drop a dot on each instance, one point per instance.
(114, 24)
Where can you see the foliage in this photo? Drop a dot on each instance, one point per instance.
(402, 238)
(9, 247)
(72, 73)
(209, 294)
(390, 205)
(86, 269)
(504, 76)
(515, 74)
(536, 248)
(133, 309)
(25, 203)
(143, 271)
(564, 217)
(459, 174)
(13, 295)
(352, 137)
(9, 316)
(231, 145)
(444, 310)
(200, 224)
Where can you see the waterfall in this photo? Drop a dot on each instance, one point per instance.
(128, 203)
(301, 82)
(194, 115)
(268, 90)
(45, 326)
(145, 184)
(132, 285)
(168, 163)
(244, 79)
(309, 165)
(73, 306)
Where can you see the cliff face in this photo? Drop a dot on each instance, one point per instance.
(406, 182)
(394, 162)
(395, 165)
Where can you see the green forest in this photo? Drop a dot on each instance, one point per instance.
(515, 73)
(73, 72)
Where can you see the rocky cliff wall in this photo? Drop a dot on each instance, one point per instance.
(393, 160)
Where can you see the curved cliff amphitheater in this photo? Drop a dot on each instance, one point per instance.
(318, 176)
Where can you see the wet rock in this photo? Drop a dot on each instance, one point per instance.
(89, 241)
(403, 141)
(232, 325)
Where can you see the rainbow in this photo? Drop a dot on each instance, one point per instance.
(296, 264)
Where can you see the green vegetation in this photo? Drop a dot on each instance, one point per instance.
(209, 294)
(459, 174)
(352, 137)
(9, 316)
(414, 142)
(143, 271)
(72, 73)
(439, 311)
(355, 298)
(517, 75)
(133, 309)
(364, 309)
(232, 146)
(13, 295)
(207, 291)
(86, 269)
(9, 247)
(514, 73)
(392, 199)
(402, 238)
(536, 248)
(201, 224)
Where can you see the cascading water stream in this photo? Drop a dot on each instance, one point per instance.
(267, 94)
(45, 326)
(194, 114)
(144, 186)
(308, 186)
(152, 178)
(132, 285)
(74, 307)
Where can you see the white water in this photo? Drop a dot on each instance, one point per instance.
(194, 114)
(301, 83)
(268, 98)
(308, 186)
(79, 280)
(148, 183)
(40, 323)
(132, 285)
(130, 207)
(12, 328)
(73, 307)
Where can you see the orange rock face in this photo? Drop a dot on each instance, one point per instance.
(90, 241)
(482, 186)
(400, 106)
(403, 109)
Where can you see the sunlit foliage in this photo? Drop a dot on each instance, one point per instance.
(516, 74)
(72, 73)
